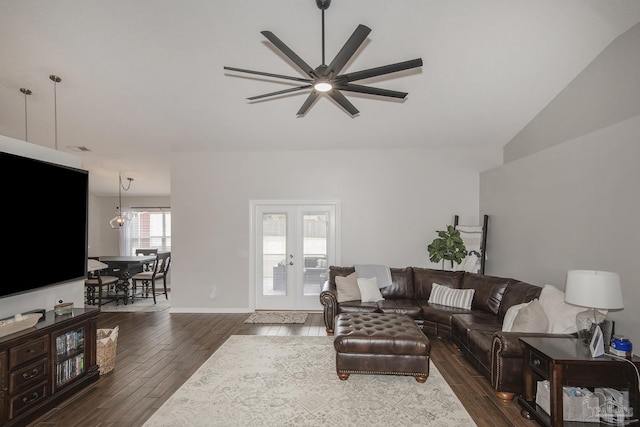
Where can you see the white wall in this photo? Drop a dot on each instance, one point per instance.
(48, 297)
(392, 203)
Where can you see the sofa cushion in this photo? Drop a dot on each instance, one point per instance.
(424, 278)
(459, 298)
(475, 319)
(463, 323)
(357, 307)
(347, 288)
(489, 291)
(401, 284)
(516, 293)
(339, 271)
(440, 314)
(407, 307)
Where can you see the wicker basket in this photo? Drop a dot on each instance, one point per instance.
(107, 340)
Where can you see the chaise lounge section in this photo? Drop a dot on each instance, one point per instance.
(476, 331)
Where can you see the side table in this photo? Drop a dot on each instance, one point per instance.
(568, 362)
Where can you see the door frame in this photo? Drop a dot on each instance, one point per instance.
(253, 244)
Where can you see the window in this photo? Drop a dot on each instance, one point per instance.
(150, 228)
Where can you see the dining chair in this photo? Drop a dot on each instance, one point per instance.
(96, 280)
(159, 270)
(147, 252)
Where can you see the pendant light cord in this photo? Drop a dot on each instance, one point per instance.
(120, 188)
(26, 92)
(55, 80)
(323, 63)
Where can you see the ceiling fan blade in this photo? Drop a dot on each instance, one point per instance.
(372, 91)
(261, 73)
(280, 92)
(307, 103)
(378, 71)
(343, 101)
(289, 53)
(349, 48)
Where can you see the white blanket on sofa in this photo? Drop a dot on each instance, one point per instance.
(381, 272)
(472, 237)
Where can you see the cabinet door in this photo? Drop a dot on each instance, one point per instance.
(4, 387)
(69, 356)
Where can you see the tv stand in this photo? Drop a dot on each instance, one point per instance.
(46, 364)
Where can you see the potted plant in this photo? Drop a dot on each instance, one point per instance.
(448, 246)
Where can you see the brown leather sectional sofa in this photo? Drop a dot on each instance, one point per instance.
(476, 332)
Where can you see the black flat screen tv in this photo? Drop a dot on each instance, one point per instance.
(44, 216)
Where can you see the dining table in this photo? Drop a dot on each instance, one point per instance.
(122, 266)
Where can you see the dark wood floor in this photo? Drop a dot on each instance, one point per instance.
(157, 352)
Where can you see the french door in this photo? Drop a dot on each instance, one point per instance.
(294, 245)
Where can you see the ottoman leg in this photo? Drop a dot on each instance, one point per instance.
(421, 379)
(343, 377)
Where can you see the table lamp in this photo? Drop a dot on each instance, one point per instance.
(596, 290)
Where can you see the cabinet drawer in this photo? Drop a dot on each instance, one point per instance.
(28, 351)
(25, 400)
(28, 375)
(538, 363)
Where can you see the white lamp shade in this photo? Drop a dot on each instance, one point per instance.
(595, 289)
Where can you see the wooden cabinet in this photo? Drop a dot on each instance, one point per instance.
(44, 365)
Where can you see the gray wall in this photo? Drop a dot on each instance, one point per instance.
(570, 199)
(605, 92)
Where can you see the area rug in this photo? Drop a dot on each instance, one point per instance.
(139, 304)
(277, 317)
(291, 381)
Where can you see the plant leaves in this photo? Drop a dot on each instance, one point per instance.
(447, 246)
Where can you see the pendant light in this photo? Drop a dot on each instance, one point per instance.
(25, 92)
(119, 220)
(55, 80)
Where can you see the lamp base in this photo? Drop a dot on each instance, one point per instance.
(586, 322)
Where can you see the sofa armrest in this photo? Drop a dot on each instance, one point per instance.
(329, 299)
(507, 360)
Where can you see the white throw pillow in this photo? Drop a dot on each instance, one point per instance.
(530, 318)
(348, 288)
(369, 290)
(444, 295)
(510, 316)
(561, 316)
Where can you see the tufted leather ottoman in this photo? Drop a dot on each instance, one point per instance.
(380, 343)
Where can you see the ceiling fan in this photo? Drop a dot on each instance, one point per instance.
(326, 79)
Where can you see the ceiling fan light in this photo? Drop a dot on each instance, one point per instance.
(323, 86)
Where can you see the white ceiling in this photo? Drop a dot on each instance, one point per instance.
(144, 78)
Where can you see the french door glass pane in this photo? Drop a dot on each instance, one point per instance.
(274, 252)
(314, 252)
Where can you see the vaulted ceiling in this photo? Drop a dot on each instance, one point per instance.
(144, 78)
